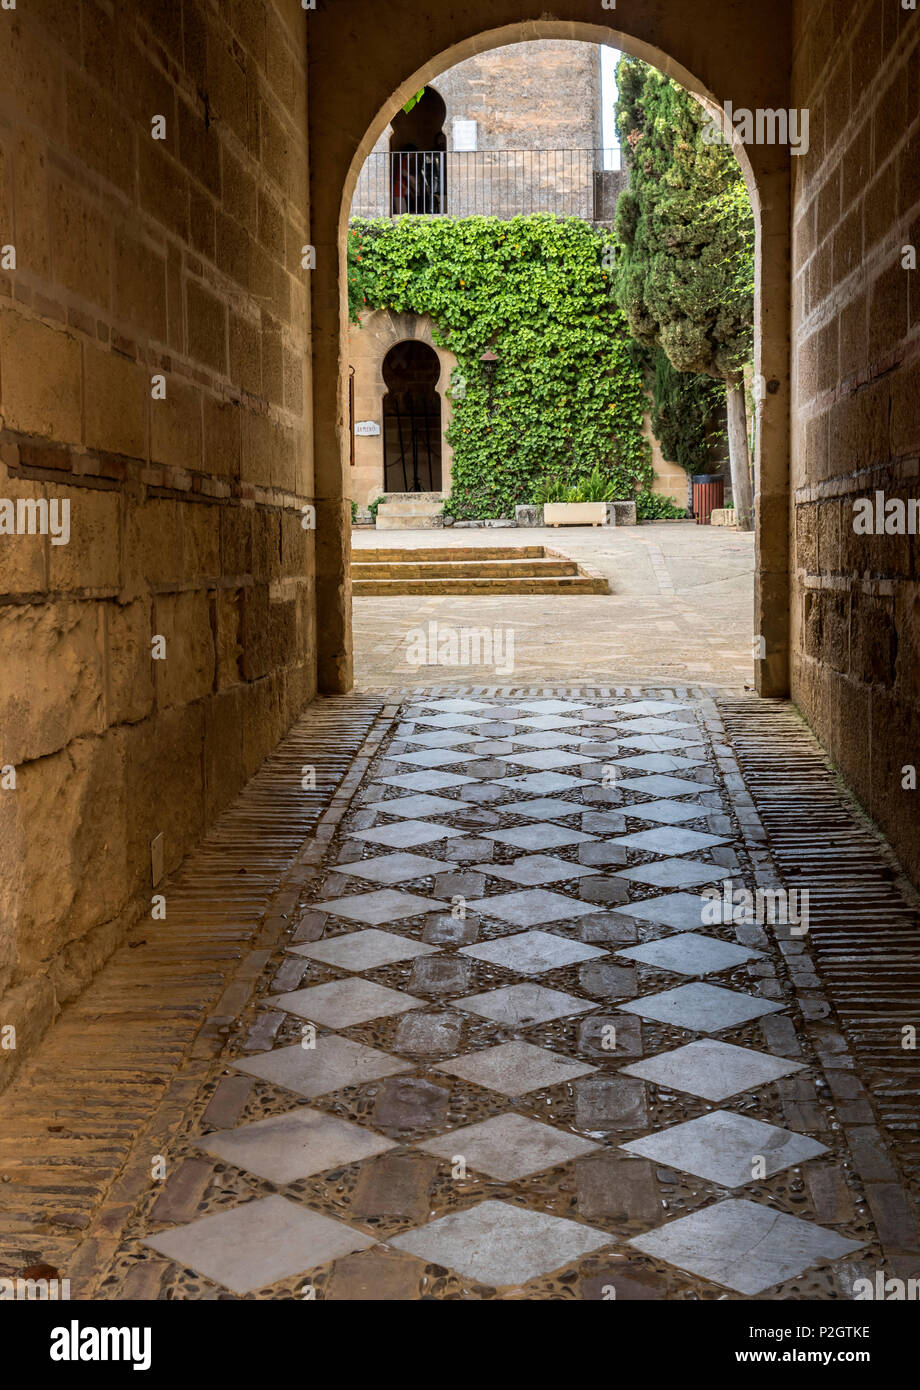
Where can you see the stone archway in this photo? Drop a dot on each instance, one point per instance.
(748, 65)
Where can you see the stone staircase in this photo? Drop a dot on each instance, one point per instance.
(524, 569)
(410, 511)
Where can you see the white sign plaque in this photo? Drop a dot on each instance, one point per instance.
(367, 427)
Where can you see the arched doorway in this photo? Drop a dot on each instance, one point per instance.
(417, 160)
(411, 419)
(751, 75)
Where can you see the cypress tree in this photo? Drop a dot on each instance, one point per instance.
(686, 417)
(685, 268)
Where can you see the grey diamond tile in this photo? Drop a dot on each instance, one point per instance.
(294, 1145)
(674, 873)
(690, 954)
(541, 783)
(433, 757)
(660, 784)
(532, 870)
(702, 1008)
(429, 1034)
(659, 762)
(330, 1065)
(744, 1246)
(427, 780)
(546, 758)
(546, 738)
(542, 808)
(342, 1003)
(500, 1244)
(509, 1147)
(539, 836)
(679, 911)
(712, 1069)
(440, 738)
(390, 868)
(524, 1004)
(448, 719)
(386, 905)
(532, 952)
(530, 907)
(667, 812)
(406, 834)
(551, 707)
(671, 839)
(652, 724)
(420, 805)
(514, 1068)
(659, 743)
(363, 950)
(645, 707)
(258, 1243)
(724, 1147)
(457, 703)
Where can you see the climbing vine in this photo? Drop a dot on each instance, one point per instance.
(566, 399)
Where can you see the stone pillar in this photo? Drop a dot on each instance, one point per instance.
(334, 660)
(772, 380)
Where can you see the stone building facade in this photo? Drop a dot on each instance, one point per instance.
(520, 129)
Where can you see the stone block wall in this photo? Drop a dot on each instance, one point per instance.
(856, 410)
(138, 258)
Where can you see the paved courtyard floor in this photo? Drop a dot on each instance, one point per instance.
(503, 1049)
(680, 610)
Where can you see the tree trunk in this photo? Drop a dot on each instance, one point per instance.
(689, 494)
(738, 454)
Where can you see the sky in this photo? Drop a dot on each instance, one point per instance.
(609, 59)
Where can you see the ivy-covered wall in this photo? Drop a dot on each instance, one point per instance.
(567, 396)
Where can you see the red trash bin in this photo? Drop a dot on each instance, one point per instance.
(708, 494)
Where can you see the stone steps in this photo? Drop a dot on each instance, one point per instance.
(374, 555)
(410, 511)
(471, 570)
(575, 584)
(463, 569)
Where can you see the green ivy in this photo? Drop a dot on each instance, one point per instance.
(568, 399)
(651, 506)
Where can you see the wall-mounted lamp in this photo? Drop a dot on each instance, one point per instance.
(489, 362)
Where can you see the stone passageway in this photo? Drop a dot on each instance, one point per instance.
(498, 1051)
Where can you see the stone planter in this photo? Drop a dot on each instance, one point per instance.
(575, 514)
(621, 513)
(722, 516)
(528, 516)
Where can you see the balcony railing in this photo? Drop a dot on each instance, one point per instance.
(489, 183)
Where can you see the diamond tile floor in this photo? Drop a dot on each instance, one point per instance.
(524, 1071)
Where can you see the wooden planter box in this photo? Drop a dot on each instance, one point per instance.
(575, 514)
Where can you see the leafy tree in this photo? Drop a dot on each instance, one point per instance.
(687, 417)
(685, 269)
(567, 397)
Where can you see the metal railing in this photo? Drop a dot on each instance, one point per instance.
(489, 183)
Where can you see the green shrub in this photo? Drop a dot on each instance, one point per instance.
(650, 506)
(354, 513)
(374, 505)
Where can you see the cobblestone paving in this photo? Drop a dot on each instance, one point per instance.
(502, 1055)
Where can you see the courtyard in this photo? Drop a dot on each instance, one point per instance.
(679, 610)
